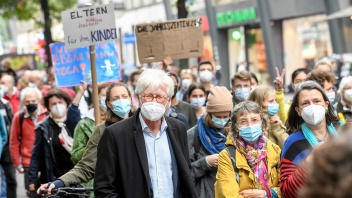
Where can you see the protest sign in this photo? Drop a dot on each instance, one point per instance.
(177, 39)
(72, 66)
(89, 26)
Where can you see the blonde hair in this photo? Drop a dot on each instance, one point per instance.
(322, 63)
(259, 94)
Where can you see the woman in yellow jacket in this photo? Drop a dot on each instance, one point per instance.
(257, 159)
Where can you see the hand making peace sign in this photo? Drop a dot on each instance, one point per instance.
(279, 80)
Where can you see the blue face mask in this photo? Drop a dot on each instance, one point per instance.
(242, 94)
(197, 103)
(219, 123)
(250, 134)
(273, 109)
(121, 107)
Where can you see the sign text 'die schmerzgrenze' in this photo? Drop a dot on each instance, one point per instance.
(168, 26)
(89, 26)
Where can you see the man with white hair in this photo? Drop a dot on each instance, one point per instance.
(22, 130)
(146, 155)
(10, 92)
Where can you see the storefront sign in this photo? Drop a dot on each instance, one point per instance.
(89, 26)
(236, 16)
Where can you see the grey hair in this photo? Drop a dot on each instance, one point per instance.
(246, 107)
(27, 90)
(154, 78)
(344, 82)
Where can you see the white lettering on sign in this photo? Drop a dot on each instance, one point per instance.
(89, 26)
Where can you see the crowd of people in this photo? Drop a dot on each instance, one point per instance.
(166, 133)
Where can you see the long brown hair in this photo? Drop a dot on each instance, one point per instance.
(110, 115)
(294, 120)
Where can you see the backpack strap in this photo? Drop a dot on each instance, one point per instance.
(231, 151)
(21, 123)
(196, 140)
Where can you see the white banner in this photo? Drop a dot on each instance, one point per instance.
(89, 26)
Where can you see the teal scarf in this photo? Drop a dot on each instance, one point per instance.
(309, 135)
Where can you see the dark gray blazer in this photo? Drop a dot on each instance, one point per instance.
(122, 162)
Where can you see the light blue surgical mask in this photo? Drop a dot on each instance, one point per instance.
(102, 104)
(273, 109)
(218, 122)
(121, 107)
(197, 103)
(251, 134)
(242, 94)
(331, 96)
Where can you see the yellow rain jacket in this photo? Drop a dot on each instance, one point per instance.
(226, 184)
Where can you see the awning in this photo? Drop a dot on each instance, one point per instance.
(347, 12)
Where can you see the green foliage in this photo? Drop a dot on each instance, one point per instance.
(28, 9)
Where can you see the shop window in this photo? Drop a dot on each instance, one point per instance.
(306, 40)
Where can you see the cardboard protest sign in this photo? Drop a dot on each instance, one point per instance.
(177, 39)
(89, 26)
(72, 66)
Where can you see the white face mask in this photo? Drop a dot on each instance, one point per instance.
(206, 76)
(152, 111)
(59, 110)
(31, 84)
(197, 103)
(4, 88)
(313, 114)
(348, 95)
(186, 83)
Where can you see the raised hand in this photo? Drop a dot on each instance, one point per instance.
(279, 80)
(83, 87)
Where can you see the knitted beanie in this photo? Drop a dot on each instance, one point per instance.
(219, 100)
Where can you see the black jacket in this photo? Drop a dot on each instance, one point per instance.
(122, 162)
(42, 155)
(6, 112)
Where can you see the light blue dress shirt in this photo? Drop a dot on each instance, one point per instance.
(159, 160)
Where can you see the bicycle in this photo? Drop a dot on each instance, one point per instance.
(68, 192)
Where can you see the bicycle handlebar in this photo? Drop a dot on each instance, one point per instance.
(67, 190)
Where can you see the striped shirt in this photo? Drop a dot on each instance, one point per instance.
(293, 166)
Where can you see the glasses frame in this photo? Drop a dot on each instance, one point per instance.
(250, 123)
(159, 99)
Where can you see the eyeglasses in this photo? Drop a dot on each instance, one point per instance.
(149, 98)
(245, 123)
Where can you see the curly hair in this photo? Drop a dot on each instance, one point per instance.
(321, 76)
(330, 172)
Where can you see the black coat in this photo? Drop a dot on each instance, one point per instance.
(122, 162)
(42, 159)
